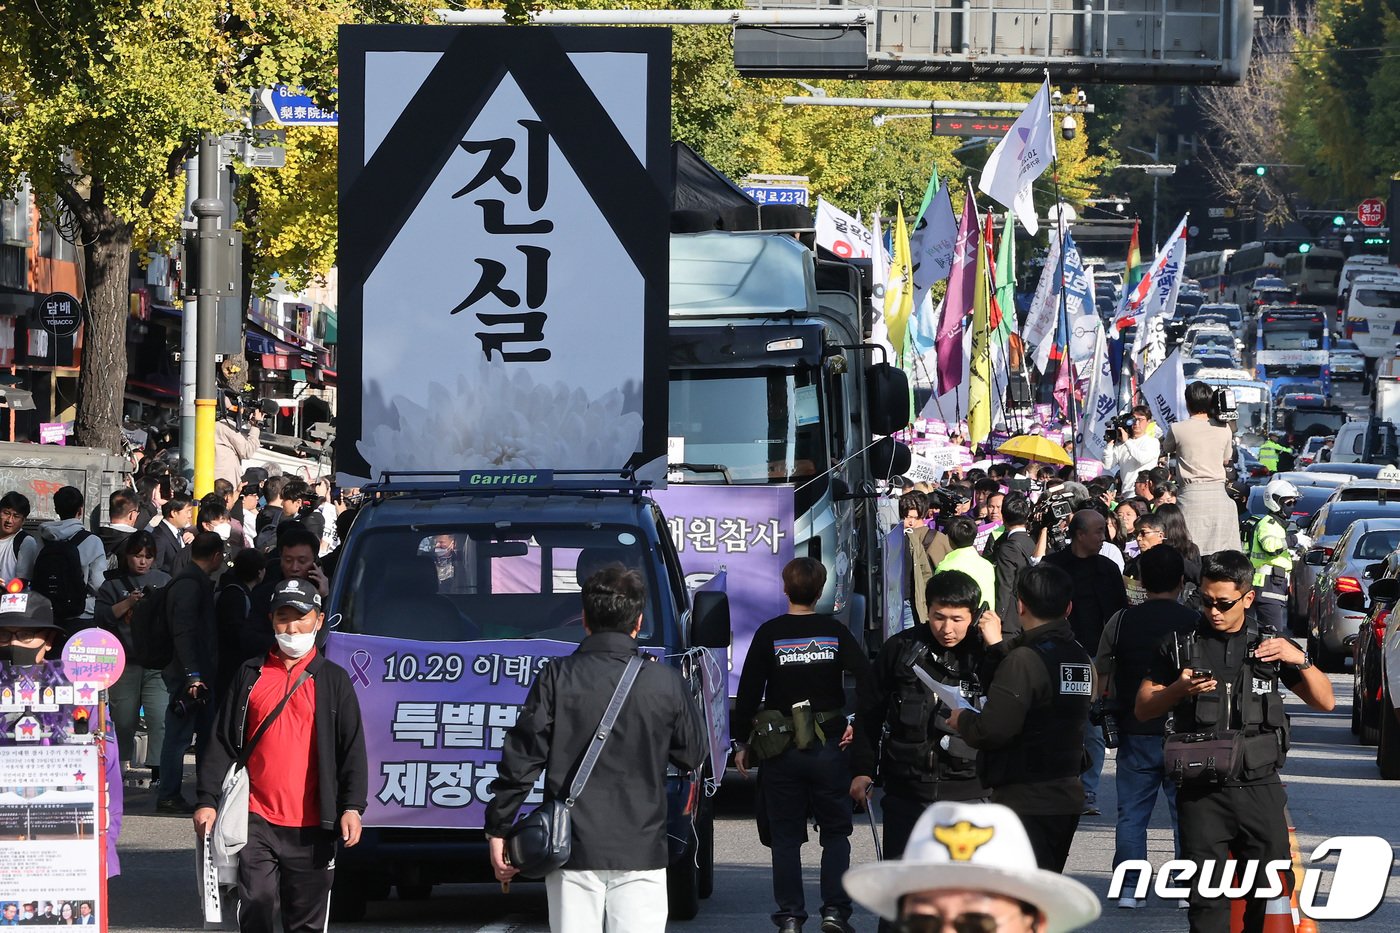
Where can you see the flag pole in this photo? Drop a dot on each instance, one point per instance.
(1064, 306)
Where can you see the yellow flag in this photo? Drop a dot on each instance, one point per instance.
(979, 386)
(899, 287)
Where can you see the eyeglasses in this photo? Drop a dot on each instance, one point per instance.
(20, 634)
(1220, 605)
(1144, 532)
(937, 923)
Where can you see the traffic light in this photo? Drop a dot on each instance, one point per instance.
(1339, 221)
(1261, 170)
(1304, 247)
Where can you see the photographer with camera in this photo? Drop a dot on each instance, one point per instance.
(1125, 654)
(1131, 449)
(189, 615)
(235, 441)
(1204, 447)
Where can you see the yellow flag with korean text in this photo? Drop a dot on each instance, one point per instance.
(899, 287)
(979, 386)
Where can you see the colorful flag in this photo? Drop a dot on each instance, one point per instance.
(1077, 304)
(979, 389)
(1020, 158)
(899, 287)
(1137, 301)
(1006, 282)
(958, 302)
(841, 233)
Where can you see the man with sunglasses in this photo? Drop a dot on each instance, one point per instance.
(1221, 684)
(970, 868)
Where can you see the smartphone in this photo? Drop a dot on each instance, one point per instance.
(1206, 674)
(335, 493)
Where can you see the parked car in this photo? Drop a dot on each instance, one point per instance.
(1325, 529)
(1384, 488)
(1338, 603)
(1358, 470)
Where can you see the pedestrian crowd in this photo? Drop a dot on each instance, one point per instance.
(217, 602)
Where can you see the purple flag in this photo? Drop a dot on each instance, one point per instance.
(958, 303)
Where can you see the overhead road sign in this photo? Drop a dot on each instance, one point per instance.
(294, 107)
(967, 125)
(1112, 42)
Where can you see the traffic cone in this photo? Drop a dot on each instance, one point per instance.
(1301, 923)
(1278, 916)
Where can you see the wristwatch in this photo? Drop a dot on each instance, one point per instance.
(1306, 662)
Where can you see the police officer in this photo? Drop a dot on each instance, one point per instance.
(903, 738)
(1271, 552)
(796, 668)
(1030, 733)
(1221, 682)
(1272, 449)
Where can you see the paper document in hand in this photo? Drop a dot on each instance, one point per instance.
(951, 696)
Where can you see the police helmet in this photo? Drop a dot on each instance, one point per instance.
(1280, 495)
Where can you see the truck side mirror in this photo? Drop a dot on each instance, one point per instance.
(709, 620)
(886, 398)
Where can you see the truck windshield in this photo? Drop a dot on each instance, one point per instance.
(472, 582)
(752, 427)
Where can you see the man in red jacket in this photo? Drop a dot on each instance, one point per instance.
(307, 773)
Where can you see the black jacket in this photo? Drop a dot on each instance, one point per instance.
(901, 737)
(340, 740)
(189, 606)
(619, 822)
(1098, 593)
(1011, 555)
(170, 555)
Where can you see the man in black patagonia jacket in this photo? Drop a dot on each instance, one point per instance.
(617, 868)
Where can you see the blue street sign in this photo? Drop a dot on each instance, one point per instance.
(290, 107)
(777, 194)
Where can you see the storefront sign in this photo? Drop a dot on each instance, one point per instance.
(60, 314)
(504, 221)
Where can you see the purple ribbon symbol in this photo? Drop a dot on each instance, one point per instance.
(359, 667)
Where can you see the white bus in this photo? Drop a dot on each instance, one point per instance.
(1209, 269)
(1372, 315)
(1313, 275)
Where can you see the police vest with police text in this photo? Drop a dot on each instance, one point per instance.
(1051, 743)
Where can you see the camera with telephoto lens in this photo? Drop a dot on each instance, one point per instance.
(1050, 513)
(945, 501)
(1223, 406)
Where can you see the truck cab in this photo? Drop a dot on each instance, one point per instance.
(453, 591)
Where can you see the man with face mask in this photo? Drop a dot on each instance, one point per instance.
(308, 775)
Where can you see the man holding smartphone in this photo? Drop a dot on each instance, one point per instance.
(1221, 684)
(297, 559)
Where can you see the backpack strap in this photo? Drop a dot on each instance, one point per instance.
(246, 751)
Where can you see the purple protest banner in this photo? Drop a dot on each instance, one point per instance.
(746, 530)
(435, 719)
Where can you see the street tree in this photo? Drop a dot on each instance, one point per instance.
(103, 102)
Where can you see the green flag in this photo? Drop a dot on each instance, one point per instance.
(1006, 280)
(929, 192)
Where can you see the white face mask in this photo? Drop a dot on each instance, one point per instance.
(223, 531)
(296, 646)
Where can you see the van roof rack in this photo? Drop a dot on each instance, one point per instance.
(529, 482)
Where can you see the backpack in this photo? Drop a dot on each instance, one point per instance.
(152, 641)
(60, 575)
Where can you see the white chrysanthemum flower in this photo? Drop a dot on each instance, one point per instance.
(505, 421)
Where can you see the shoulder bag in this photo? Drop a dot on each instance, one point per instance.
(230, 833)
(543, 841)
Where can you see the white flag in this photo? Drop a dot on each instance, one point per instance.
(931, 244)
(1165, 392)
(1045, 306)
(841, 233)
(879, 273)
(1100, 405)
(1020, 158)
(1150, 344)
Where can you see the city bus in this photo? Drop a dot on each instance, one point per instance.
(1293, 345)
(1248, 263)
(1209, 269)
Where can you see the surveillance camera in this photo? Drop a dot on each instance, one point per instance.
(1056, 97)
(1082, 98)
(1119, 205)
(1067, 127)
(878, 119)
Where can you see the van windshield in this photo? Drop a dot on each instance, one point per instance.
(473, 582)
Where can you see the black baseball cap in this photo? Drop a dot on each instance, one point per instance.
(26, 609)
(297, 593)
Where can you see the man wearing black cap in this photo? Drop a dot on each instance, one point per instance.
(308, 775)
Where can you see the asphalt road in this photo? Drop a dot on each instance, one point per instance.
(1332, 785)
